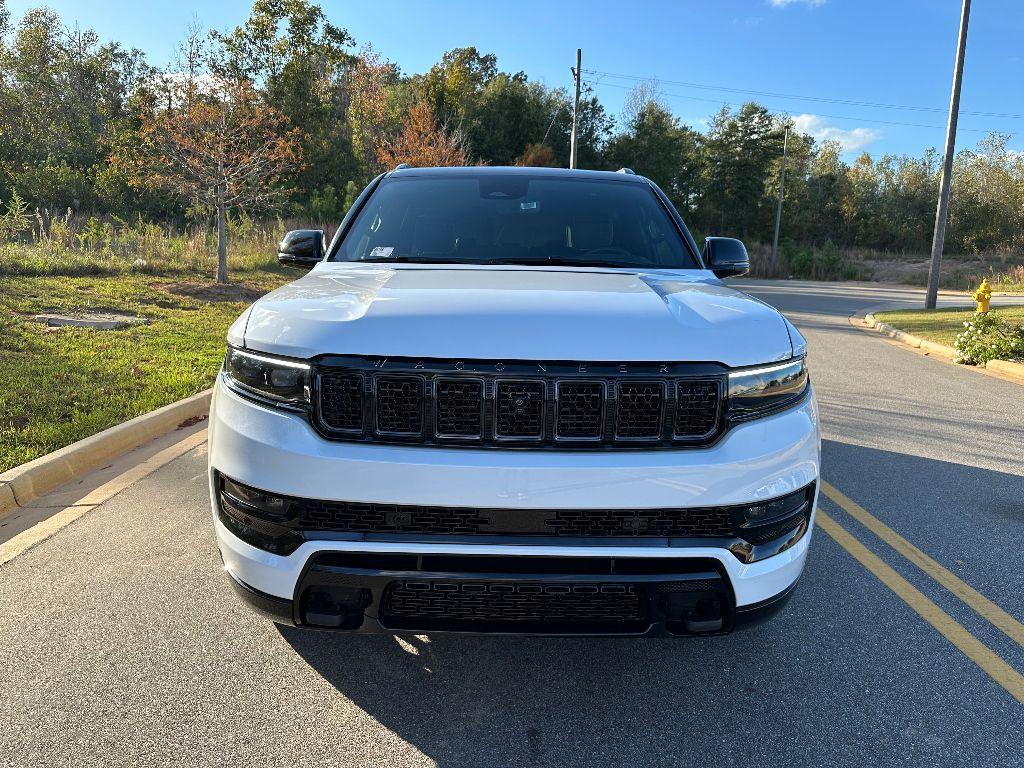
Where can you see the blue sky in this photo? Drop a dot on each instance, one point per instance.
(895, 52)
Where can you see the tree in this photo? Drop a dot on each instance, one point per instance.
(300, 63)
(655, 144)
(213, 140)
(739, 151)
(537, 156)
(371, 114)
(62, 94)
(422, 143)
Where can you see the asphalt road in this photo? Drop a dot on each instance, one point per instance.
(122, 644)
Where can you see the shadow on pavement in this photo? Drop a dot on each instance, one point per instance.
(492, 701)
(845, 675)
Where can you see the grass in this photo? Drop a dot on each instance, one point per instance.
(59, 385)
(942, 325)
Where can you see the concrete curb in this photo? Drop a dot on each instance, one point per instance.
(1007, 368)
(23, 484)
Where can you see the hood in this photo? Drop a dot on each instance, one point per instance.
(516, 313)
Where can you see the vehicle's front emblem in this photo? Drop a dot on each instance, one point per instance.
(398, 517)
(635, 523)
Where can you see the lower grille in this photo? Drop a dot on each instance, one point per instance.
(713, 521)
(513, 602)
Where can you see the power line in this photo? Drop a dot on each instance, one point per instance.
(781, 95)
(818, 114)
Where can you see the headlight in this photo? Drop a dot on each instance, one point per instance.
(759, 391)
(271, 378)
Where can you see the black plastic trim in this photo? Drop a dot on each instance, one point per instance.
(752, 614)
(278, 609)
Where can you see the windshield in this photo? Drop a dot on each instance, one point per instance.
(515, 218)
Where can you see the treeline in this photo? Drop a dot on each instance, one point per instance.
(74, 109)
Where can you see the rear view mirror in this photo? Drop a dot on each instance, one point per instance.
(301, 248)
(726, 256)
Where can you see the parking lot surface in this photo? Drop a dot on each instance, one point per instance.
(123, 644)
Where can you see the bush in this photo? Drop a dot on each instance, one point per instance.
(985, 337)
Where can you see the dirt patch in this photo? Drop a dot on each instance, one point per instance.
(166, 304)
(212, 292)
(191, 422)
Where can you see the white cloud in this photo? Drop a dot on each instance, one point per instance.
(851, 140)
(784, 3)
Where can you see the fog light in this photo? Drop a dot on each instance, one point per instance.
(773, 510)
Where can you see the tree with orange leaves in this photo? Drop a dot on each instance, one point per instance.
(212, 140)
(422, 143)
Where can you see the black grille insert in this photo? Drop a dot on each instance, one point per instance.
(563, 405)
(459, 408)
(514, 602)
(399, 405)
(519, 409)
(580, 410)
(697, 408)
(640, 411)
(341, 401)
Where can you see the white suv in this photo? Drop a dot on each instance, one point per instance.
(514, 400)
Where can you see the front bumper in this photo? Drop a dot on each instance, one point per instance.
(278, 451)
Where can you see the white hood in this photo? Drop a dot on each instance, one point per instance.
(515, 313)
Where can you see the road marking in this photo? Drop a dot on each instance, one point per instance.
(994, 666)
(974, 599)
(51, 525)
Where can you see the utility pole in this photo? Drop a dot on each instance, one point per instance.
(575, 109)
(778, 209)
(942, 209)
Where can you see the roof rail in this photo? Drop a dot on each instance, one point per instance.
(402, 166)
(630, 171)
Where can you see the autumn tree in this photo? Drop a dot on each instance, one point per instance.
(212, 140)
(371, 113)
(423, 143)
(300, 63)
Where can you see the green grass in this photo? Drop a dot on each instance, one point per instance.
(942, 325)
(59, 385)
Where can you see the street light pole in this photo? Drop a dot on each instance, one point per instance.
(575, 109)
(942, 209)
(778, 209)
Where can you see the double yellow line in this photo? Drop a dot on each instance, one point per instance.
(993, 665)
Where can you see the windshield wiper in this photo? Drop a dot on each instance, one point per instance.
(566, 263)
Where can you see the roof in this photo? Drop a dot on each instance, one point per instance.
(487, 170)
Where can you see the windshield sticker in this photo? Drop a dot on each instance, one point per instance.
(381, 252)
(530, 205)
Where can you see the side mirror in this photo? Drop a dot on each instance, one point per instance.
(726, 256)
(301, 248)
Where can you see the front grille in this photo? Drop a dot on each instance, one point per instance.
(341, 401)
(580, 410)
(399, 406)
(513, 602)
(459, 408)
(696, 408)
(640, 410)
(571, 406)
(519, 409)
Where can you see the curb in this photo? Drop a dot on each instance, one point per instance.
(1007, 368)
(24, 484)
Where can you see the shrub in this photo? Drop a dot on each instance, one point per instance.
(985, 337)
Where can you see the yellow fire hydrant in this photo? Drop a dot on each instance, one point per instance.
(983, 295)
